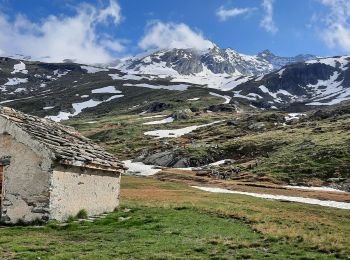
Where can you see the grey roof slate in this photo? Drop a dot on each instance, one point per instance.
(68, 146)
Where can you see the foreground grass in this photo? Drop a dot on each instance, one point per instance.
(174, 221)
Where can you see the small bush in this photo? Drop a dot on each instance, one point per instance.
(82, 214)
(71, 219)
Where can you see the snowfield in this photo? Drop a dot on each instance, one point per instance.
(227, 98)
(79, 107)
(19, 68)
(292, 116)
(179, 87)
(109, 89)
(125, 77)
(15, 81)
(91, 69)
(174, 133)
(333, 62)
(163, 121)
(313, 188)
(140, 169)
(325, 203)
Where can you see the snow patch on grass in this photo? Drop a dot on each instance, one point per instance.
(227, 98)
(19, 68)
(91, 69)
(79, 107)
(15, 81)
(174, 133)
(313, 188)
(325, 203)
(179, 87)
(108, 89)
(140, 169)
(163, 121)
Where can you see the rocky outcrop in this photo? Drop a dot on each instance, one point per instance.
(222, 108)
(157, 107)
(182, 114)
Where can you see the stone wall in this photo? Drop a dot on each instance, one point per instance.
(26, 182)
(75, 188)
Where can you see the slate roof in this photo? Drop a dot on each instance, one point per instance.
(68, 146)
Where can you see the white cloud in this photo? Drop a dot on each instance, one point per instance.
(171, 35)
(336, 24)
(224, 14)
(58, 38)
(267, 22)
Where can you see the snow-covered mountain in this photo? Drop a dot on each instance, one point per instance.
(64, 90)
(319, 82)
(215, 67)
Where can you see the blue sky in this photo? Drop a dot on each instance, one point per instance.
(106, 29)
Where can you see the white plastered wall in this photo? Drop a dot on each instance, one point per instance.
(74, 188)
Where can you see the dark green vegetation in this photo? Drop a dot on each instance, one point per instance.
(173, 221)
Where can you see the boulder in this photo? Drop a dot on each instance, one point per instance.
(222, 108)
(182, 114)
(257, 126)
(232, 122)
(156, 107)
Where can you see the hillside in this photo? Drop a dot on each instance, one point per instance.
(252, 122)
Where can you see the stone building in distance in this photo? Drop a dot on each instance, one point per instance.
(50, 171)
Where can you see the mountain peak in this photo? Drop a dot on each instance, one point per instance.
(266, 53)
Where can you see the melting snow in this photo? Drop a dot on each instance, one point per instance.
(139, 168)
(325, 203)
(19, 90)
(59, 74)
(163, 121)
(91, 69)
(259, 78)
(125, 77)
(342, 61)
(179, 87)
(147, 117)
(15, 81)
(79, 107)
(280, 72)
(177, 132)
(333, 91)
(237, 94)
(313, 188)
(227, 98)
(292, 116)
(275, 95)
(193, 99)
(20, 67)
(109, 89)
(218, 162)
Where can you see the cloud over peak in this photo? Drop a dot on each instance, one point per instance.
(267, 22)
(335, 30)
(224, 13)
(58, 38)
(161, 35)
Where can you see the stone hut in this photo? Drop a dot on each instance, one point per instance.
(50, 171)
